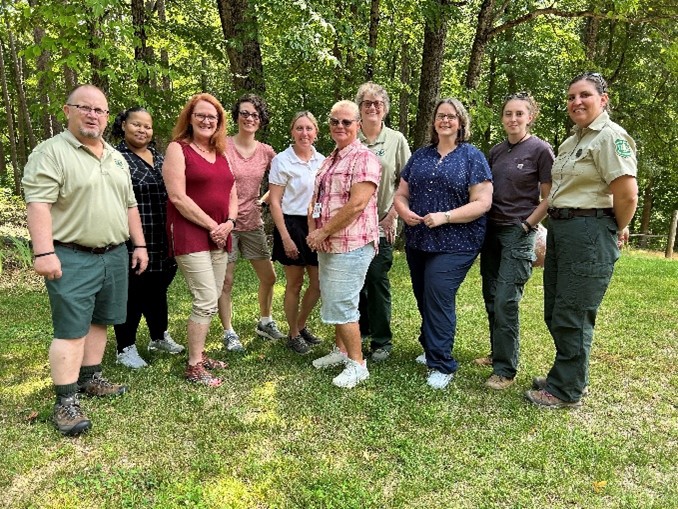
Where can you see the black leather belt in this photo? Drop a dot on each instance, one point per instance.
(570, 213)
(93, 250)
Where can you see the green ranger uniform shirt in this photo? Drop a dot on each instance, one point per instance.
(588, 161)
(89, 196)
(393, 152)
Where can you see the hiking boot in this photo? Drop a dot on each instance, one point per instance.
(68, 418)
(99, 386)
(545, 399)
(334, 358)
(309, 337)
(499, 382)
(232, 342)
(269, 331)
(199, 375)
(421, 359)
(210, 363)
(381, 354)
(438, 380)
(298, 344)
(130, 357)
(484, 361)
(353, 374)
(539, 382)
(166, 344)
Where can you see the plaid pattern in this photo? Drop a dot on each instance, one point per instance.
(151, 195)
(343, 168)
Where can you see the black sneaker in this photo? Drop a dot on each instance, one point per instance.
(298, 344)
(69, 418)
(99, 386)
(309, 337)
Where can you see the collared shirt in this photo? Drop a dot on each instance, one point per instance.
(89, 196)
(297, 177)
(517, 172)
(393, 152)
(151, 195)
(249, 173)
(439, 184)
(588, 161)
(343, 168)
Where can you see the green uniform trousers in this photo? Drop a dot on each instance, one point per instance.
(580, 257)
(375, 299)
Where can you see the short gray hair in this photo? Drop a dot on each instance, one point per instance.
(374, 89)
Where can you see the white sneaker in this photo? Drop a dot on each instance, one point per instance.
(421, 359)
(166, 344)
(334, 358)
(353, 374)
(130, 357)
(232, 342)
(438, 380)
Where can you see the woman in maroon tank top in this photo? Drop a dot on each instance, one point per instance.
(201, 213)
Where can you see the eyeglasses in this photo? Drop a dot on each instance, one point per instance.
(334, 122)
(202, 117)
(86, 110)
(247, 114)
(447, 116)
(368, 104)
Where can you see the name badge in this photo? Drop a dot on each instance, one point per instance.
(317, 209)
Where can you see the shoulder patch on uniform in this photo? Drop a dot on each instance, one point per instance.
(119, 163)
(622, 147)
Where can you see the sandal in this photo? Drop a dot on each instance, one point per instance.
(210, 363)
(198, 374)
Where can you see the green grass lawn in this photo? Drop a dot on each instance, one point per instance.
(279, 434)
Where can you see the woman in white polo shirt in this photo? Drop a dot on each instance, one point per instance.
(291, 183)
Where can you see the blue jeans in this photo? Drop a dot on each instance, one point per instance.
(436, 277)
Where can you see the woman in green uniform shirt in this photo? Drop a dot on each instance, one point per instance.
(593, 197)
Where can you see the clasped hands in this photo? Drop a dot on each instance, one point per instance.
(219, 234)
(431, 220)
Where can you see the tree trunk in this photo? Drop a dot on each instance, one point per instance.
(241, 32)
(648, 196)
(141, 49)
(47, 119)
(10, 124)
(99, 79)
(372, 42)
(70, 77)
(591, 38)
(435, 32)
(486, 19)
(164, 57)
(404, 99)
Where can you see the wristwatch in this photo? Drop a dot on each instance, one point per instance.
(448, 216)
(232, 221)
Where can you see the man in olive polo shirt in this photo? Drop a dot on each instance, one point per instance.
(81, 210)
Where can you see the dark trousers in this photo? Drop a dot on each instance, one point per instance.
(436, 277)
(505, 266)
(580, 257)
(148, 297)
(375, 299)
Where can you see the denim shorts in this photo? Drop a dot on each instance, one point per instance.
(92, 289)
(342, 276)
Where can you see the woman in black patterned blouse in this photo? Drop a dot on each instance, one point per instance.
(147, 291)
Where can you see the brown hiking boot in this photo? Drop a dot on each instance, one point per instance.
(69, 418)
(199, 375)
(99, 386)
(499, 383)
(545, 399)
(539, 382)
(484, 361)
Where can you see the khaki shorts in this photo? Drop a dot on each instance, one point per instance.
(252, 245)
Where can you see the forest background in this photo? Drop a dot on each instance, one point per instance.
(303, 54)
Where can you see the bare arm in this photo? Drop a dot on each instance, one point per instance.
(401, 204)
(539, 213)
(40, 229)
(275, 195)
(357, 201)
(174, 175)
(625, 200)
(136, 234)
(480, 201)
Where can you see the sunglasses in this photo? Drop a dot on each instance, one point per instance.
(334, 122)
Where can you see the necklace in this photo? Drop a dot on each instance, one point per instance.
(511, 146)
(209, 151)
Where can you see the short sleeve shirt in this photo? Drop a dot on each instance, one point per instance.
(517, 173)
(89, 196)
(297, 177)
(439, 184)
(339, 172)
(588, 161)
(249, 173)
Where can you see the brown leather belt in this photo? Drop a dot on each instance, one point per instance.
(570, 213)
(92, 250)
